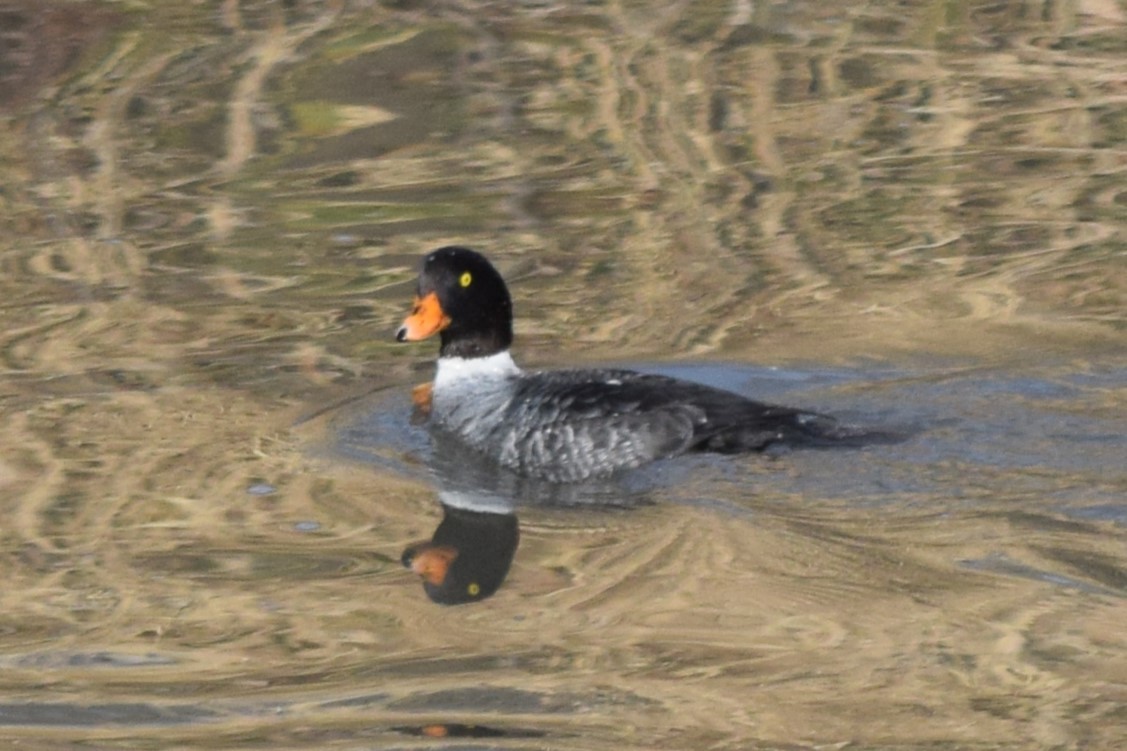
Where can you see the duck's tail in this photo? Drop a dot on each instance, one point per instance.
(785, 427)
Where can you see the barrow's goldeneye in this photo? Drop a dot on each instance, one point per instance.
(572, 425)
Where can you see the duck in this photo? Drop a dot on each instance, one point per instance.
(573, 425)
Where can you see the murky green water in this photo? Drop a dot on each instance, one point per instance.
(913, 215)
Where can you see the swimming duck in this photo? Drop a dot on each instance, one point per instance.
(572, 425)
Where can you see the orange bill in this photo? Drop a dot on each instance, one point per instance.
(432, 563)
(426, 319)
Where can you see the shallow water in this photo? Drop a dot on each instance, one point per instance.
(911, 216)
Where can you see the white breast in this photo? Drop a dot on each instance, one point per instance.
(470, 394)
(453, 371)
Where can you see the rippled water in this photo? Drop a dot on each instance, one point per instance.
(910, 215)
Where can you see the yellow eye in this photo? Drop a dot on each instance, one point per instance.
(473, 589)
(465, 279)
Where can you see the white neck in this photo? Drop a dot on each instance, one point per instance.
(452, 370)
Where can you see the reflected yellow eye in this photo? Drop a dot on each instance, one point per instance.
(473, 589)
(466, 279)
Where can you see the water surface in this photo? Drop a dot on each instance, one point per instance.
(908, 215)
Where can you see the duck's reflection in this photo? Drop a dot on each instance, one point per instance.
(469, 555)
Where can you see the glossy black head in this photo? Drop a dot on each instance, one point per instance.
(461, 297)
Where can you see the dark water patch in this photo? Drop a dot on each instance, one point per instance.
(502, 700)
(42, 40)
(52, 714)
(86, 660)
(1002, 564)
(365, 701)
(1104, 512)
(411, 79)
(1105, 570)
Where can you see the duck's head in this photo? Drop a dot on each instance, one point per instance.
(462, 298)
